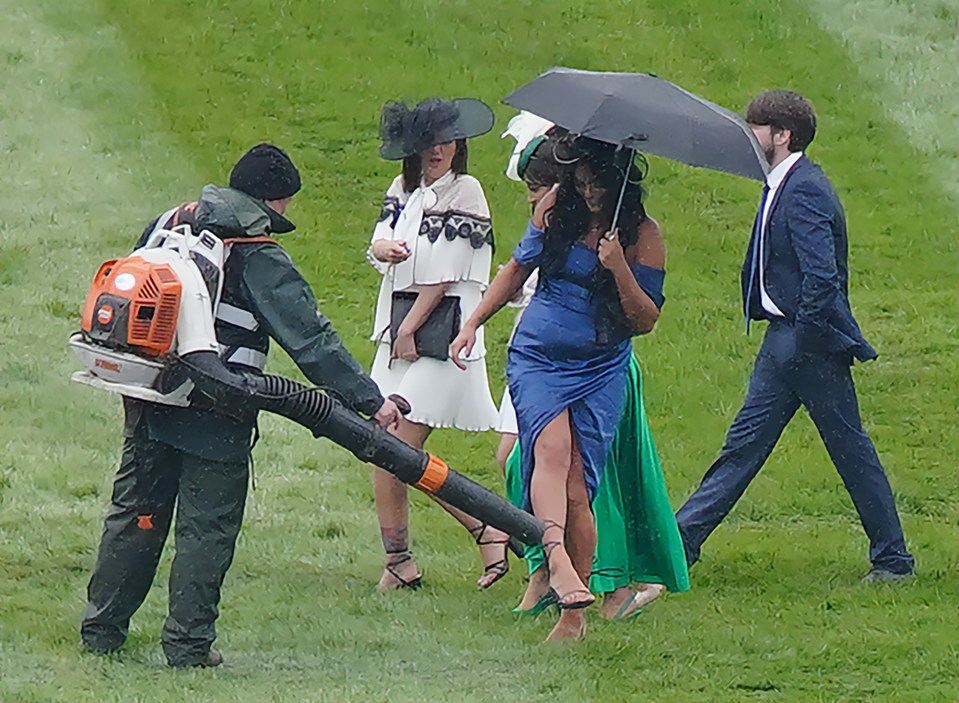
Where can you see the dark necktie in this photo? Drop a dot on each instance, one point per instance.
(754, 256)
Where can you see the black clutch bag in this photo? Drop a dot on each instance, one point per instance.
(435, 335)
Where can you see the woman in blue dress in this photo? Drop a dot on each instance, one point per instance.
(569, 357)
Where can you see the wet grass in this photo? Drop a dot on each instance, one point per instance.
(900, 48)
(113, 110)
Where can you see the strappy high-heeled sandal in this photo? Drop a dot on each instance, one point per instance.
(395, 559)
(565, 604)
(565, 601)
(498, 569)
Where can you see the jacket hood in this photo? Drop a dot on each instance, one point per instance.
(233, 211)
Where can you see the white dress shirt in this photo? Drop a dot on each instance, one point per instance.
(773, 181)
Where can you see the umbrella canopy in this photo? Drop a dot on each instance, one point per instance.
(646, 113)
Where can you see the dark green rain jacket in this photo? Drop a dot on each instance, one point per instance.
(261, 278)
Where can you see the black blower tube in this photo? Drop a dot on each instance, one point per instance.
(325, 416)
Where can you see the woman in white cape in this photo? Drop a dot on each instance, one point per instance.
(433, 242)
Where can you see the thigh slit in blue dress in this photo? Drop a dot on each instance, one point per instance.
(556, 362)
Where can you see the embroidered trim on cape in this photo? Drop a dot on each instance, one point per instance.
(455, 223)
(390, 210)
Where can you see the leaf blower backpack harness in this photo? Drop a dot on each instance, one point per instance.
(148, 332)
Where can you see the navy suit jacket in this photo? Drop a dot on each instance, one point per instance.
(805, 270)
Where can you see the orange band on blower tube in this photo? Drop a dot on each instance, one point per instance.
(434, 476)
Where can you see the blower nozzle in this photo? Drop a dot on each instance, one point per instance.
(325, 416)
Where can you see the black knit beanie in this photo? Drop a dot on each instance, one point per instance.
(265, 172)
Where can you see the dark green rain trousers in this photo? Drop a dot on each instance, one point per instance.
(208, 496)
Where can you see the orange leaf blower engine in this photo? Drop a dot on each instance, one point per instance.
(143, 310)
(133, 305)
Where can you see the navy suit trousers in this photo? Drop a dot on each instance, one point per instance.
(781, 381)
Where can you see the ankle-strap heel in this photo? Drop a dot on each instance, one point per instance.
(571, 600)
(397, 558)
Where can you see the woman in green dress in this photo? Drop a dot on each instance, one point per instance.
(638, 539)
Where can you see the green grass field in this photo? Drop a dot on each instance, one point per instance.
(112, 110)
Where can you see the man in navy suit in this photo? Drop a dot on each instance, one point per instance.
(795, 277)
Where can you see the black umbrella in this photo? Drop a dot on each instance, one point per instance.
(645, 113)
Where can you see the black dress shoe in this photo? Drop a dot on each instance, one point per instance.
(878, 575)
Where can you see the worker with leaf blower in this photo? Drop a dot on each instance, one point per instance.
(192, 458)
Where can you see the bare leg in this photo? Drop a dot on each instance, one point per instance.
(548, 495)
(580, 543)
(492, 544)
(392, 509)
(580, 523)
(507, 440)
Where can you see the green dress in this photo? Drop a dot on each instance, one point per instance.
(638, 539)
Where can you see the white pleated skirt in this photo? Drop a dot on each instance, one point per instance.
(441, 394)
(507, 423)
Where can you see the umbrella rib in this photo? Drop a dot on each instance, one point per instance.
(721, 111)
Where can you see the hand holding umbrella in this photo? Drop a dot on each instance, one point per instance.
(610, 252)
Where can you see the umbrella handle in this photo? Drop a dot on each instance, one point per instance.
(622, 191)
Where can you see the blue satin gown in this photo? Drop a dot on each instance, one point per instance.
(557, 362)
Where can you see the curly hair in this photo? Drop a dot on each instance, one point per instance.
(568, 221)
(542, 169)
(782, 110)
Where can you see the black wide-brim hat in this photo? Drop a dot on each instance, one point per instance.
(433, 121)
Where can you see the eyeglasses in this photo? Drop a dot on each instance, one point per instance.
(590, 183)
